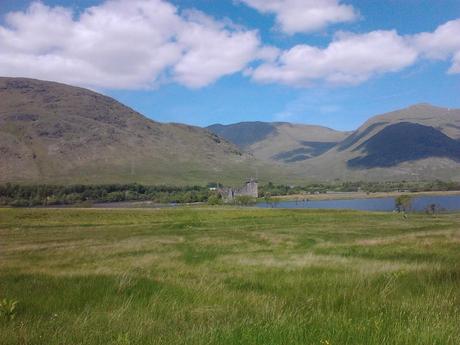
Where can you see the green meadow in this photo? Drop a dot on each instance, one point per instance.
(228, 276)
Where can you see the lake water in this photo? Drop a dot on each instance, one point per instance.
(446, 203)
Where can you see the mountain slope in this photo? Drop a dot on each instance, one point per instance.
(419, 142)
(55, 133)
(405, 141)
(280, 142)
(51, 132)
(244, 134)
(442, 119)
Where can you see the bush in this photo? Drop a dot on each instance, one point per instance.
(186, 198)
(215, 199)
(403, 203)
(115, 197)
(20, 203)
(245, 200)
(73, 198)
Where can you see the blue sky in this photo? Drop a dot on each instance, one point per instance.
(408, 68)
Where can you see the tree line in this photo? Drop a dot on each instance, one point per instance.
(47, 195)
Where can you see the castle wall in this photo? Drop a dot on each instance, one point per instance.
(251, 189)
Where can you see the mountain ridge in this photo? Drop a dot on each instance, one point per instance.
(52, 132)
(340, 159)
(56, 133)
(278, 142)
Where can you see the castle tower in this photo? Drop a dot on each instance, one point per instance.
(251, 188)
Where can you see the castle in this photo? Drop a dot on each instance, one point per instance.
(251, 189)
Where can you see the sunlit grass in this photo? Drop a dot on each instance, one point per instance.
(229, 276)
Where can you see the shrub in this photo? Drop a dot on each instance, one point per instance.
(403, 203)
(20, 203)
(245, 200)
(214, 199)
(268, 197)
(115, 197)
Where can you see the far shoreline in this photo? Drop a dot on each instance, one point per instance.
(357, 195)
(148, 204)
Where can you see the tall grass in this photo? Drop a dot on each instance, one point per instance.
(229, 276)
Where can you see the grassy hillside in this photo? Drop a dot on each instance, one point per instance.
(51, 132)
(229, 276)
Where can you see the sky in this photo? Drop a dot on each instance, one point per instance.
(327, 62)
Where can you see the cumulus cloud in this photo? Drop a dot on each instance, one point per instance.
(210, 54)
(123, 44)
(441, 44)
(294, 16)
(349, 59)
(131, 44)
(354, 58)
(455, 68)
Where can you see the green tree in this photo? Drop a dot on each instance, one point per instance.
(215, 199)
(403, 203)
(245, 200)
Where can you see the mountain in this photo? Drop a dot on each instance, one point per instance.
(280, 142)
(418, 142)
(55, 133)
(244, 134)
(405, 141)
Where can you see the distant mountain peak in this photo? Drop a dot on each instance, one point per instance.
(423, 106)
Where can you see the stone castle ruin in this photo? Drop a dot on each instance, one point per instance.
(251, 188)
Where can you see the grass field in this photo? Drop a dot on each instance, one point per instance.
(229, 276)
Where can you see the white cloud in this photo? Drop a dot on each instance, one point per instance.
(142, 43)
(441, 44)
(349, 59)
(210, 54)
(455, 68)
(294, 16)
(122, 44)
